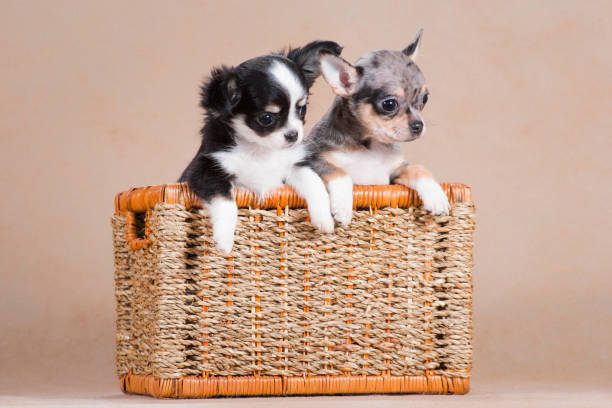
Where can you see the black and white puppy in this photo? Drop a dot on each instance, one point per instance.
(378, 106)
(252, 136)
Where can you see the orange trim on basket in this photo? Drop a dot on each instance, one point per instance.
(140, 200)
(131, 231)
(240, 386)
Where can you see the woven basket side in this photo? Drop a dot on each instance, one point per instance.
(143, 300)
(383, 305)
(390, 295)
(156, 290)
(452, 288)
(123, 294)
(177, 348)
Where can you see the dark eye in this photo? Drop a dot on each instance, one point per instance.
(265, 119)
(302, 111)
(389, 105)
(425, 98)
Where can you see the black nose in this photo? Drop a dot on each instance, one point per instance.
(416, 126)
(291, 136)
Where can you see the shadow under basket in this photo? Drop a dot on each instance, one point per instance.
(381, 306)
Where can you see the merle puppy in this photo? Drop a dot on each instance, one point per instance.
(378, 106)
(253, 136)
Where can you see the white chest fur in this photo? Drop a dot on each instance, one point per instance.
(370, 167)
(259, 169)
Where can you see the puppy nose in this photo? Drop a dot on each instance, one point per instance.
(292, 136)
(416, 126)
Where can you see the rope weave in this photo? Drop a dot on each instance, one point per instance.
(389, 295)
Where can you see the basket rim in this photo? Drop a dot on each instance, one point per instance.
(143, 199)
(244, 386)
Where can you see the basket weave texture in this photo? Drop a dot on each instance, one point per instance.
(383, 305)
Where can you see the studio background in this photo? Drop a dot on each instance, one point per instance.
(98, 97)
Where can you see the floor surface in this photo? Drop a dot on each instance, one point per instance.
(480, 396)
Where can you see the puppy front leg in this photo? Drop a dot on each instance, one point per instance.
(340, 188)
(420, 179)
(214, 187)
(223, 214)
(310, 186)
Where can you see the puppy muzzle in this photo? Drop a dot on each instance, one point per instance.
(416, 127)
(291, 137)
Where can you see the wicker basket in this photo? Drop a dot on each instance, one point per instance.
(382, 306)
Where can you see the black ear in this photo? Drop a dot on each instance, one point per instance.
(307, 58)
(220, 93)
(413, 49)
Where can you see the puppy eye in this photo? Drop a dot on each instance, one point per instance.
(389, 105)
(425, 98)
(302, 111)
(265, 119)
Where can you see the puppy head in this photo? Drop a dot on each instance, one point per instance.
(384, 90)
(264, 99)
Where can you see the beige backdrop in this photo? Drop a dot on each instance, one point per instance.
(100, 96)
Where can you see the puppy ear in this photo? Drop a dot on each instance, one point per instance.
(220, 93)
(307, 58)
(413, 49)
(340, 74)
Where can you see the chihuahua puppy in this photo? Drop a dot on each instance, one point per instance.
(378, 106)
(252, 136)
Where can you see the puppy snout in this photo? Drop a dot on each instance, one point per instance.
(416, 126)
(291, 136)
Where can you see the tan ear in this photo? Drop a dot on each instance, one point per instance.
(339, 74)
(413, 49)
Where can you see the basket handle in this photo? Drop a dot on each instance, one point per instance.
(132, 238)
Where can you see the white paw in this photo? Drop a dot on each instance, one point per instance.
(310, 186)
(224, 241)
(341, 198)
(342, 211)
(433, 197)
(321, 218)
(223, 216)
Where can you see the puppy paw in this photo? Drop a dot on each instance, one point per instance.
(321, 219)
(343, 213)
(310, 186)
(223, 216)
(224, 241)
(433, 197)
(341, 198)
